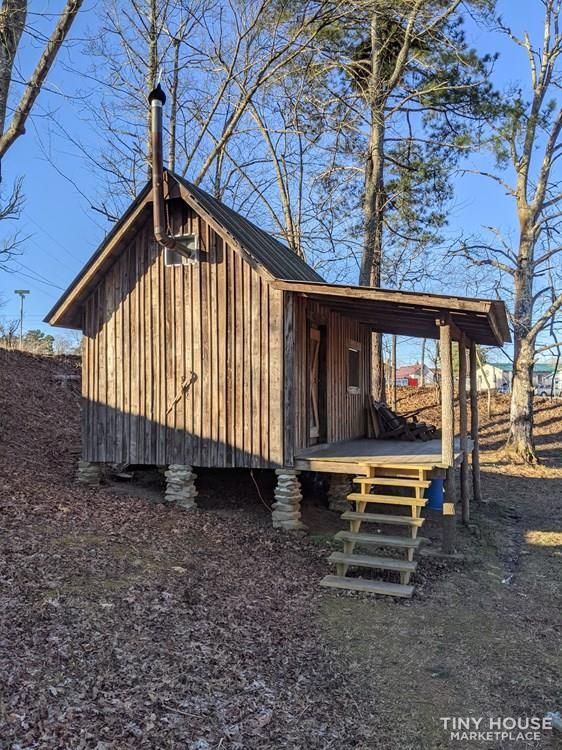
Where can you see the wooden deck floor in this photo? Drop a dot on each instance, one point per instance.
(346, 456)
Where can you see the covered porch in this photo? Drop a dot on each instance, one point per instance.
(458, 322)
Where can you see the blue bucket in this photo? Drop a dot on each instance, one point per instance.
(435, 493)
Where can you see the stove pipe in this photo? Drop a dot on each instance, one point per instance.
(157, 99)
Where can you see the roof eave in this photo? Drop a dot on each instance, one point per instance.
(493, 310)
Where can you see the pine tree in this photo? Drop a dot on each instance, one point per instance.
(404, 96)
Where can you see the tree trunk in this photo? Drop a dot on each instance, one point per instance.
(151, 77)
(422, 368)
(12, 22)
(176, 42)
(374, 199)
(520, 439)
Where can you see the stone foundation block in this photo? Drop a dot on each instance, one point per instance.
(180, 486)
(89, 473)
(286, 510)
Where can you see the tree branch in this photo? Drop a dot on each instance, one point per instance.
(16, 127)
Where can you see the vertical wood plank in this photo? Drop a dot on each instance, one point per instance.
(239, 266)
(276, 379)
(102, 376)
(222, 332)
(256, 366)
(288, 378)
(152, 380)
(231, 356)
(265, 380)
(213, 407)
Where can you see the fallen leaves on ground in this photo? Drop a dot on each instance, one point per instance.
(129, 624)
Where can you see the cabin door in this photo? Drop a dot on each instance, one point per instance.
(317, 384)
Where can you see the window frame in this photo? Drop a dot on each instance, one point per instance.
(354, 385)
(181, 260)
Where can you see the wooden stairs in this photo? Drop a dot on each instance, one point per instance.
(402, 511)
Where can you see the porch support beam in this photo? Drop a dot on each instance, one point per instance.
(476, 487)
(448, 435)
(463, 420)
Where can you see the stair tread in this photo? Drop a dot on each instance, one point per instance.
(386, 499)
(373, 587)
(372, 561)
(380, 539)
(351, 515)
(393, 482)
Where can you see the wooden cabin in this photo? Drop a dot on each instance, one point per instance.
(208, 343)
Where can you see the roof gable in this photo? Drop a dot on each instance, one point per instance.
(271, 257)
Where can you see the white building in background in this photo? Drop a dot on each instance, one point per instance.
(497, 376)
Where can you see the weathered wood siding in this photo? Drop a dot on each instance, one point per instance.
(346, 412)
(183, 364)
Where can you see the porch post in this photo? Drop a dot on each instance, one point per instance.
(476, 488)
(463, 418)
(448, 435)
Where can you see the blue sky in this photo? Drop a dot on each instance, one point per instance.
(62, 229)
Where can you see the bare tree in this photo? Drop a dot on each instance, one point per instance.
(13, 16)
(9, 334)
(213, 60)
(388, 90)
(12, 24)
(10, 210)
(528, 141)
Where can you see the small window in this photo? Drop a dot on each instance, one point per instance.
(354, 368)
(171, 258)
(191, 243)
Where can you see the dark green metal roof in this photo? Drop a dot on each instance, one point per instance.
(274, 256)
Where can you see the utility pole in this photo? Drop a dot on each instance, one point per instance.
(22, 293)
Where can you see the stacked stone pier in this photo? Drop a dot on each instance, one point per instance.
(288, 497)
(180, 486)
(89, 473)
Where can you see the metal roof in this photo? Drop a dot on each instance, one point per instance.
(274, 256)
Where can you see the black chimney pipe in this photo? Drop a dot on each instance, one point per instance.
(157, 99)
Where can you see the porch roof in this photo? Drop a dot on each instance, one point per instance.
(410, 313)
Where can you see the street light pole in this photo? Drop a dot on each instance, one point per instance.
(22, 293)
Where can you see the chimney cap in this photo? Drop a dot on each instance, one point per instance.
(157, 94)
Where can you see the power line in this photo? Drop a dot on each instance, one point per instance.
(44, 251)
(21, 274)
(36, 275)
(54, 239)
